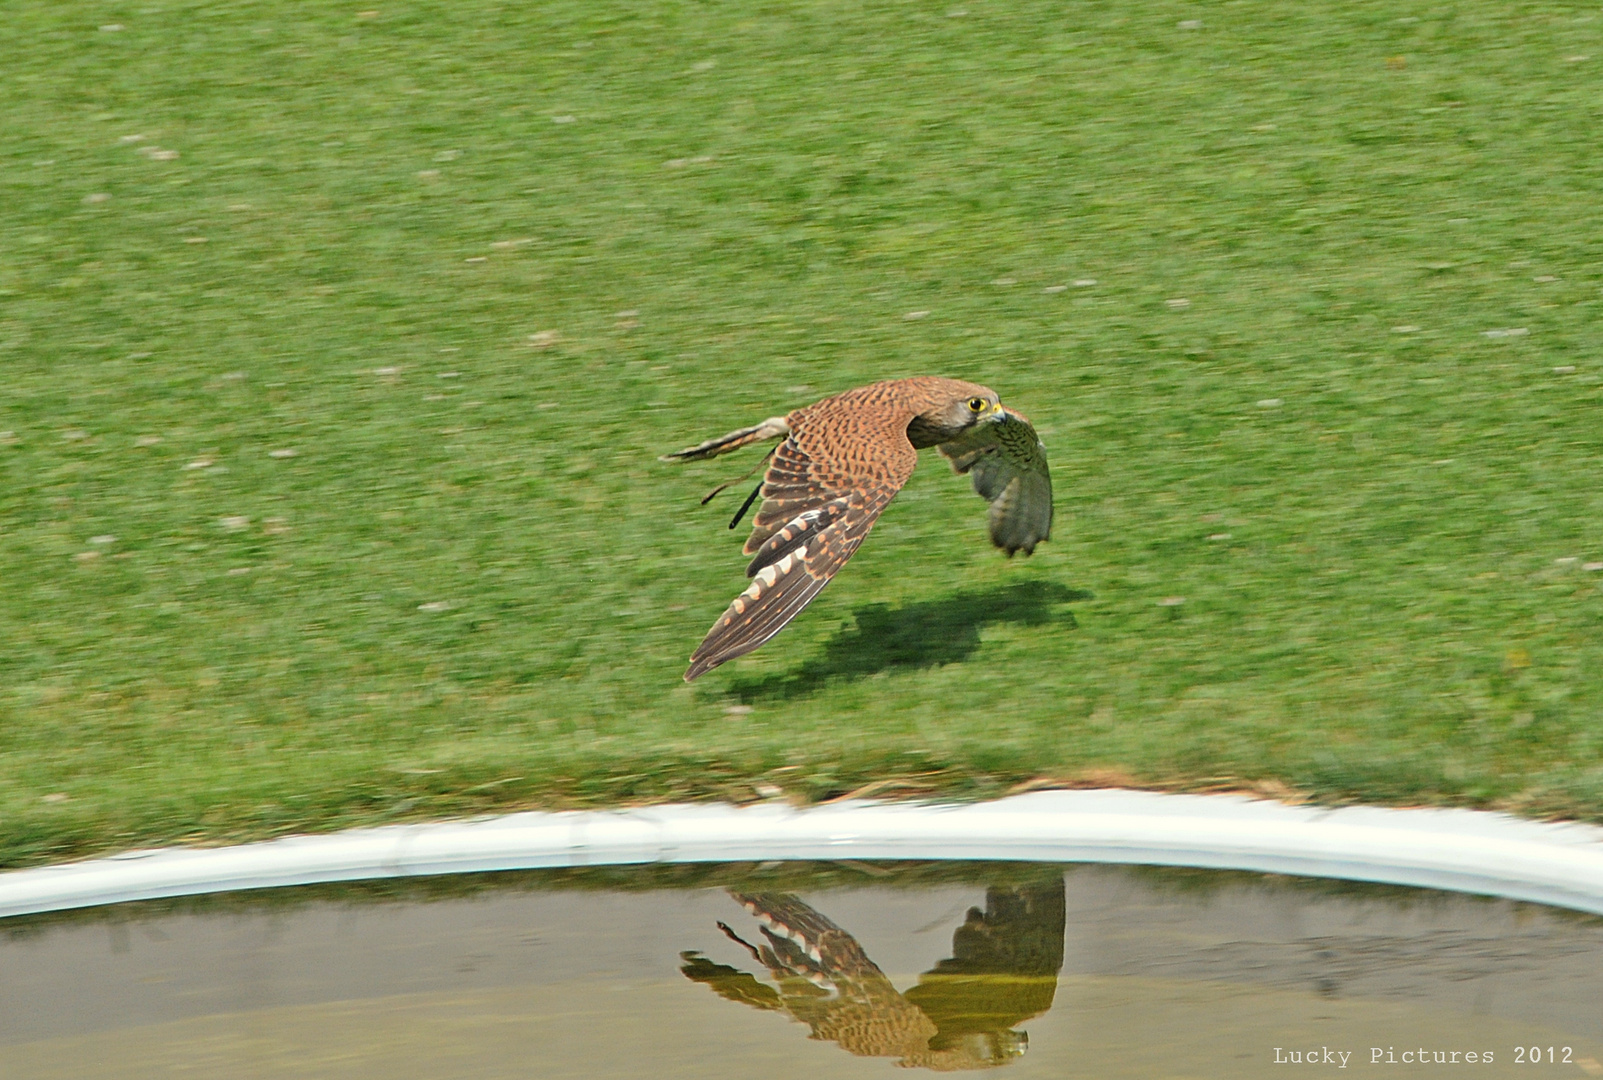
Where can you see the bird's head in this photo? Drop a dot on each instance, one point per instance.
(963, 406)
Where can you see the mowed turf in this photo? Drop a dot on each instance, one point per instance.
(337, 348)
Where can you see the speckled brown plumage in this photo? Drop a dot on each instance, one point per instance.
(841, 462)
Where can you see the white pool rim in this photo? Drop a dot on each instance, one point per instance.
(1468, 851)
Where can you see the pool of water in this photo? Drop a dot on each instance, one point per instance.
(781, 970)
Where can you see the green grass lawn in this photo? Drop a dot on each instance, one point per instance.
(338, 348)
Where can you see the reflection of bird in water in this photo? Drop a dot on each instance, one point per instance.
(961, 1015)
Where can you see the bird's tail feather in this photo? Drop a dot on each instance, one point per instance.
(773, 428)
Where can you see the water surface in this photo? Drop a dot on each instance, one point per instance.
(804, 971)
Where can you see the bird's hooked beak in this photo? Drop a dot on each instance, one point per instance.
(996, 413)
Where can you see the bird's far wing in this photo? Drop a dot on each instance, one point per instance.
(1008, 463)
(812, 520)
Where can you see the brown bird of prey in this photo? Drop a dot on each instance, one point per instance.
(840, 462)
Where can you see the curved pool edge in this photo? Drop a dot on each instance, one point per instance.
(1471, 851)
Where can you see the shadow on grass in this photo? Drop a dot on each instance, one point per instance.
(920, 635)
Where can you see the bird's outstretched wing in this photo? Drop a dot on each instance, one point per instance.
(818, 505)
(1008, 463)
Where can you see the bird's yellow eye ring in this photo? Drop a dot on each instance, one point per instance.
(976, 404)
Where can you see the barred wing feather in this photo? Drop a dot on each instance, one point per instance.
(810, 523)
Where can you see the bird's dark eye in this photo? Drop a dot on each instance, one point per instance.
(976, 404)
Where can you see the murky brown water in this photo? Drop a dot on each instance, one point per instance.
(805, 972)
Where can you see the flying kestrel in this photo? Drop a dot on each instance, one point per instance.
(840, 462)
